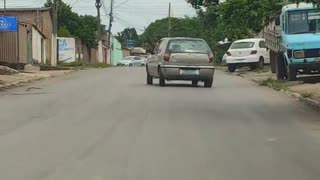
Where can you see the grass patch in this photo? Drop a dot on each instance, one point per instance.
(307, 95)
(82, 64)
(264, 70)
(275, 84)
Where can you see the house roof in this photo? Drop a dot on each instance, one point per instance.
(25, 9)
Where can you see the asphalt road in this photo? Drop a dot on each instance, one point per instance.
(109, 125)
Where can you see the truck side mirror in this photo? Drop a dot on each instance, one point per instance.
(277, 21)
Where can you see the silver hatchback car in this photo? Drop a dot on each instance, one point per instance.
(188, 59)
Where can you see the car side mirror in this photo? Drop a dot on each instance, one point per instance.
(277, 21)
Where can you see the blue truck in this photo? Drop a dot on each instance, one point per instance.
(294, 41)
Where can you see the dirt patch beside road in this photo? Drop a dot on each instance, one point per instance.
(306, 88)
(9, 81)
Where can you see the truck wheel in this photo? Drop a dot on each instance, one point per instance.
(291, 73)
(231, 67)
(280, 67)
(260, 63)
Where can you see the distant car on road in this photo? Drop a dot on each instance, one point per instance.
(247, 52)
(132, 61)
(188, 59)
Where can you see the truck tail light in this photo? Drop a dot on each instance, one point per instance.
(211, 58)
(167, 56)
(254, 52)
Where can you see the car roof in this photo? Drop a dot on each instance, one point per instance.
(250, 40)
(177, 38)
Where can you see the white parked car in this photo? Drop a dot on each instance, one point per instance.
(247, 52)
(132, 61)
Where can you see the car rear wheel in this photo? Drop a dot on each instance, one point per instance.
(253, 67)
(149, 79)
(162, 80)
(260, 64)
(195, 83)
(232, 68)
(208, 83)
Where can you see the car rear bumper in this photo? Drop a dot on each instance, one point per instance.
(242, 60)
(173, 72)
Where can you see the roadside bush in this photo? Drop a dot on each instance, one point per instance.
(83, 64)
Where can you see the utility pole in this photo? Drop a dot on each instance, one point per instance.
(4, 6)
(55, 32)
(169, 27)
(98, 6)
(110, 24)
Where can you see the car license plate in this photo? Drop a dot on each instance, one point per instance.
(189, 71)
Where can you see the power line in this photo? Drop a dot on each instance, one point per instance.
(121, 4)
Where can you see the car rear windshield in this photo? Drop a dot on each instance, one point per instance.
(188, 46)
(242, 45)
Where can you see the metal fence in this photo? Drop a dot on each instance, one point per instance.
(14, 46)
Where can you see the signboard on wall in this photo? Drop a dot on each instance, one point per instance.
(67, 49)
(8, 24)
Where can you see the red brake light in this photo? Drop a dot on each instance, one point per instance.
(228, 53)
(166, 56)
(211, 58)
(254, 52)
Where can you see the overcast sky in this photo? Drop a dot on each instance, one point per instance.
(133, 13)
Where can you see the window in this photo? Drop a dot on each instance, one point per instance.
(242, 45)
(262, 44)
(127, 58)
(188, 46)
(303, 22)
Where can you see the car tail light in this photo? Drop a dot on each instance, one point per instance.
(167, 56)
(254, 52)
(228, 53)
(211, 58)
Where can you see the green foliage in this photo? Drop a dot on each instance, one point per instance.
(186, 27)
(71, 24)
(275, 84)
(64, 32)
(127, 34)
(83, 64)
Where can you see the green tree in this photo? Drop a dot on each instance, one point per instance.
(127, 34)
(181, 27)
(64, 32)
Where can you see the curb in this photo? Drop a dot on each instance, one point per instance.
(25, 82)
(18, 83)
(310, 102)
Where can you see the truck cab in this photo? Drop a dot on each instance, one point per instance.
(297, 41)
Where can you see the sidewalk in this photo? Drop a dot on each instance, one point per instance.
(9, 81)
(306, 89)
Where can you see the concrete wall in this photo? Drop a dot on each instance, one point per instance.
(43, 21)
(117, 52)
(38, 43)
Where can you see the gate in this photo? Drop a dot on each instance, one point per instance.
(14, 46)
